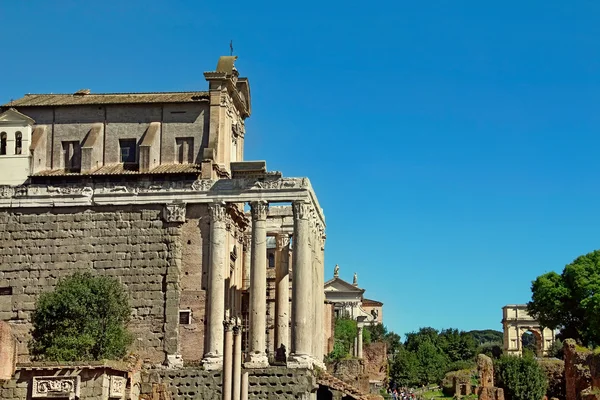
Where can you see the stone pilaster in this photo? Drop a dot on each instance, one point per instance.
(227, 358)
(300, 356)
(257, 357)
(237, 360)
(282, 297)
(213, 358)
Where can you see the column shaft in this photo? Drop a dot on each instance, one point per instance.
(247, 261)
(257, 357)
(282, 298)
(320, 298)
(301, 290)
(237, 360)
(213, 357)
(227, 359)
(359, 349)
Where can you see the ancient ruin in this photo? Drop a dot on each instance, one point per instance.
(515, 322)
(152, 188)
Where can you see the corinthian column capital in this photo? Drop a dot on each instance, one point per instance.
(301, 209)
(283, 240)
(217, 212)
(259, 210)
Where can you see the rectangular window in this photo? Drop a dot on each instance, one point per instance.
(185, 317)
(185, 150)
(72, 156)
(128, 149)
(6, 291)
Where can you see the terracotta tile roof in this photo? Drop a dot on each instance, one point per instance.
(44, 100)
(120, 169)
(371, 303)
(326, 379)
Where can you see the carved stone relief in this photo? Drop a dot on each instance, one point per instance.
(55, 386)
(117, 387)
(217, 212)
(175, 212)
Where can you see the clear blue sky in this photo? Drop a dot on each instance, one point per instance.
(454, 145)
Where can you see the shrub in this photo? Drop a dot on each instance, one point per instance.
(522, 378)
(83, 318)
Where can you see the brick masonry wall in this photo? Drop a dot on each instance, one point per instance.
(38, 247)
(194, 383)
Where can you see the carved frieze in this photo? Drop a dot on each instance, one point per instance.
(174, 212)
(55, 386)
(7, 191)
(203, 185)
(259, 210)
(117, 387)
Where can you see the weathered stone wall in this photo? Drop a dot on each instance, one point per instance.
(40, 246)
(351, 371)
(194, 280)
(194, 383)
(577, 370)
(94, 382)
(555, 373)
(375, 358)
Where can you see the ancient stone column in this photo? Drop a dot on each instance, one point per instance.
(359, 339)
(300, 356)
(247, 261)
(282, 297)
(227, 358)
(320, 298)
(257, 357)
(244, 395)
(237, 360)
(213, 357)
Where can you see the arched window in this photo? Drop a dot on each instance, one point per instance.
(3, 144)
(18, 142)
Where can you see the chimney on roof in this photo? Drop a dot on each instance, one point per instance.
(82, 92)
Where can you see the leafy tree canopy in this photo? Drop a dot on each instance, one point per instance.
(83, 318)
(570, 301)
(487, 336)
(522, 378)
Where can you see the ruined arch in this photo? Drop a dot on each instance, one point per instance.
(515, 322)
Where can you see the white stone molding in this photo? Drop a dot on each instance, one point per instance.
(174, 212)
(117, 387)
(259, 210)
(56, 386)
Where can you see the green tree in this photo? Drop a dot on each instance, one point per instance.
(405, 368)
(457, 345)
(570, 301)
(432, 363)
(83, 318)
(344, 334)
(415, 339)
(487, 336)
(522, 378)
